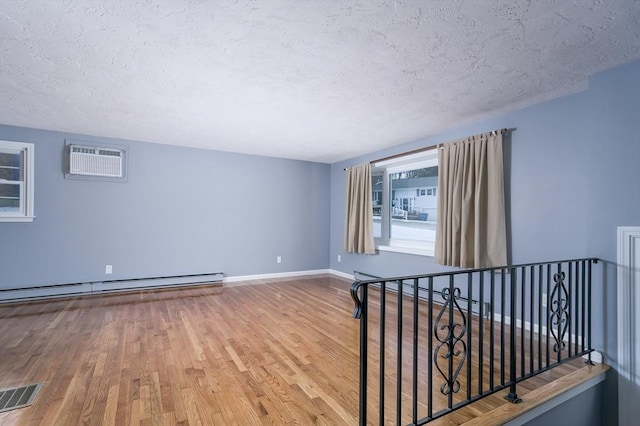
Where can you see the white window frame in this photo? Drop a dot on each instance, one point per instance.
(26, 211)
(387, 168)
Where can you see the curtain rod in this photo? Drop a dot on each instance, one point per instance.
(428, 148)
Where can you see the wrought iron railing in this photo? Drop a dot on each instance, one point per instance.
(436, 356)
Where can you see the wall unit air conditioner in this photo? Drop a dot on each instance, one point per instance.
(95, 161)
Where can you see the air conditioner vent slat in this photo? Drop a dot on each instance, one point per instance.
(110, 152)
(94, 161)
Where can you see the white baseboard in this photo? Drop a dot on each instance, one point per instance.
(342, 274)
(256, 279)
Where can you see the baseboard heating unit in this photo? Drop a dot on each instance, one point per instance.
(107, 286)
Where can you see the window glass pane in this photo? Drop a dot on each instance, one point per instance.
(9, 205)
(9, 197)
(412, 217)
(10, 173)
(9, 159)
(376, 202)
(10, 166)
(9, 190)
(16, 181)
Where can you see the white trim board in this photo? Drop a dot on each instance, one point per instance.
(258, 279)
(342, 274)
(628, 324)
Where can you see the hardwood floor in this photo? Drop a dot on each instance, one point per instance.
(282, 352)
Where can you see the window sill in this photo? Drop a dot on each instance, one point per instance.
(407, 250)
(17, 218)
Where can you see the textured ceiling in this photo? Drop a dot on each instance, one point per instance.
(313, 80)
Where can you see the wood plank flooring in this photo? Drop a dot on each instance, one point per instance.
(282, 352)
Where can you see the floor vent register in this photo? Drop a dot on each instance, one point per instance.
(19, 397)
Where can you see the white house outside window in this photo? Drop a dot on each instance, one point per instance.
(404, 203)
(16, 181)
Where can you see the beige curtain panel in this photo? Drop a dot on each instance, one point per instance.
(471, 228)
(358, 235)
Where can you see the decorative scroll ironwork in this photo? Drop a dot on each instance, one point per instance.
(559, 312)
(453, 336)
(357, 311)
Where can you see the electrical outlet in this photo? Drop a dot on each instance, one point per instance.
(108, 269)
(544, 300)
(279, 259)
(339, 258)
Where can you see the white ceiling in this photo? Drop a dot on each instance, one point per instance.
(312, 80)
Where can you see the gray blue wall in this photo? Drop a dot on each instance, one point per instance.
(584, 409)
(182, 211)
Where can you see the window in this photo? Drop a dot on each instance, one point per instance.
(16, 181)
(404, 218)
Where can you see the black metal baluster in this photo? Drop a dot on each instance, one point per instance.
(399, 354)
(481, 335)
(548, 314)
(364, 354)
(502, 340)
(570, 306)
(523, 292)
(414, 384)
(381, 397)
(589, 347)
(531, 319)
(430, 353)
(512, 396)
(583, 317)
(578, 310)
(540, 319)
(470, 327)
(491, 329)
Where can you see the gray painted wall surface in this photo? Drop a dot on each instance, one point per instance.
(574, 177)
(613, 200)
(182, 211)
